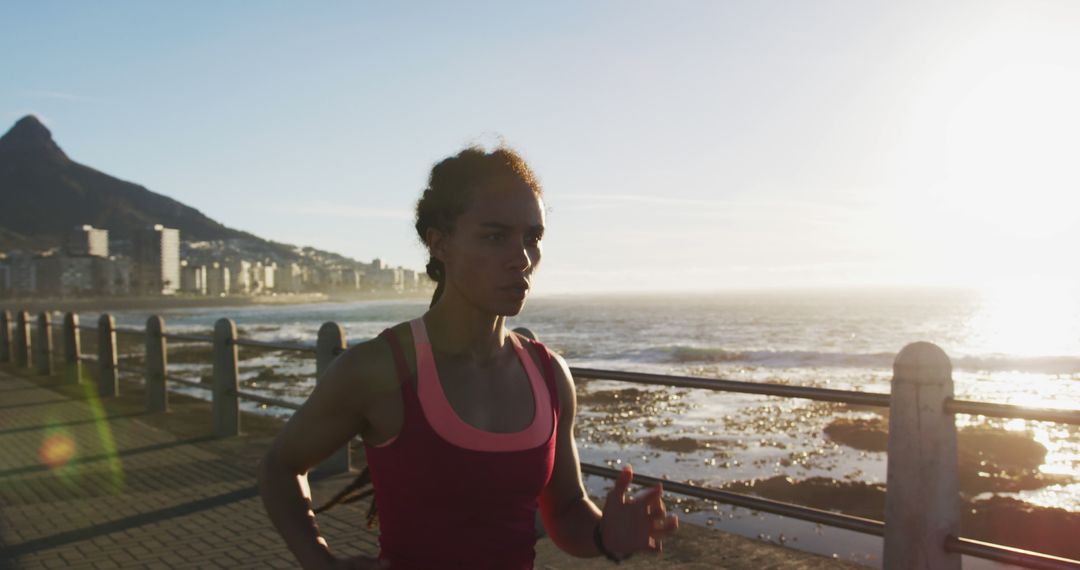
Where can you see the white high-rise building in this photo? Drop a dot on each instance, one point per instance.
(240, 277)
(217, 280)
(289, 278)
(88, 240)
(192, 278)
(156, 253)
(263, 276)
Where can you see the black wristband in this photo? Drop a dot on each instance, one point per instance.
(598, 540)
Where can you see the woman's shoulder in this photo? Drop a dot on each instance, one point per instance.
(372, 362)
(539, 351)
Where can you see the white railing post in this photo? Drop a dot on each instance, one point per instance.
(73, 370)
(226, 380)
(922, 495)
(157, 396)
(43, 345)
(331, 343)
(108, 379)
(22, 343)
(5, 336)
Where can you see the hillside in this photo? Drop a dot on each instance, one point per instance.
(43, 194)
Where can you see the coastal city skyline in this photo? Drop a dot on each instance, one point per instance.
(155, 262)
(837, 145)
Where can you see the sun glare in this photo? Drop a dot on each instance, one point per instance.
(1012, 147)
(1029, 317)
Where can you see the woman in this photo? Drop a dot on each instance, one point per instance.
(465, 424)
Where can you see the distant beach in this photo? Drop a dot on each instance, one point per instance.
(150, 304)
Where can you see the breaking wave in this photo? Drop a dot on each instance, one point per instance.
(814, 359)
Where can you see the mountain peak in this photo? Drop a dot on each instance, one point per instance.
(30, 134)
(43, 194)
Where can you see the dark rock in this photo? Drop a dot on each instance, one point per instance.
(1000, 520)
(990, 460)
(1011, 522)
(854, 498)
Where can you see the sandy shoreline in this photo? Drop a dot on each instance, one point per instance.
(106, 304)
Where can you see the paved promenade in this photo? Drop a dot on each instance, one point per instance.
(91, 484)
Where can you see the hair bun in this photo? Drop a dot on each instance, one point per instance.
(435, 269)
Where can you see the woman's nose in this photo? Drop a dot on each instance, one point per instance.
(521, 260)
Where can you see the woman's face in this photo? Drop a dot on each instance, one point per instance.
(495, 246)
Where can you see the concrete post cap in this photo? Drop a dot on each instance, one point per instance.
(922, 363)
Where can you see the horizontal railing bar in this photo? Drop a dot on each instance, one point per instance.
(129, 369)
(839, 520)
(1008, 554)
(242, 393)
(1012, 411)
(274, 345)
(267, 400)
(718, 384)
(188, 337)
(187, 382)
(827, 394)
(129, 331)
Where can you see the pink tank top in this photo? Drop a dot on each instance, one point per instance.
(451, 495)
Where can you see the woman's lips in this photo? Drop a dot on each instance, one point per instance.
(517, 290)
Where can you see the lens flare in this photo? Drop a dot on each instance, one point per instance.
(105, 439)
(56, 450)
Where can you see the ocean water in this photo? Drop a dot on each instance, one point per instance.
(1006, 346)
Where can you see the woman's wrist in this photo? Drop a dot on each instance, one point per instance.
(316, 557)
(598, 540)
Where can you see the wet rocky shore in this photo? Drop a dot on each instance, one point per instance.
(991, 461)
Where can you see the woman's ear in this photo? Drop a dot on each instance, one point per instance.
(436, 242)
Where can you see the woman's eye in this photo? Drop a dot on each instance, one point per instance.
(533, 240)
(494, 237)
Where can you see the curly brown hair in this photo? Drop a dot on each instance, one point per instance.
(450, 189)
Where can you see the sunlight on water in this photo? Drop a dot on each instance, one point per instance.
(1026, 318)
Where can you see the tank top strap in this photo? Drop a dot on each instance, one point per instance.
(402, 367)
(548, 368)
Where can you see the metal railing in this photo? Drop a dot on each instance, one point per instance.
(922, 376)
(952, 542)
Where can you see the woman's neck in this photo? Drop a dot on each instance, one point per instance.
(461, 331)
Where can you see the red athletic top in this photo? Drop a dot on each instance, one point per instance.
(468, 504)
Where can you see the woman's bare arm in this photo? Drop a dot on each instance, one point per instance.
(332, 415)
(570, 517)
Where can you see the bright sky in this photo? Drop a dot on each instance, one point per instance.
(682, 145)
